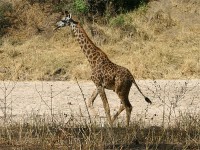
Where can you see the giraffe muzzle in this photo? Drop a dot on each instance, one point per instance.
(59, 25)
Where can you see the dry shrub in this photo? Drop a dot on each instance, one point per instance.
(29, 20)
(158, 40)
(189, 67)
(161, 21)
(81, 71)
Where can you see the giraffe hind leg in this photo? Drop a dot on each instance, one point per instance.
(125, 105)
(118, 112)
(122, 89)
(128, 107)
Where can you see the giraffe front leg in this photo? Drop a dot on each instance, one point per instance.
(102, 94)
(92, 98)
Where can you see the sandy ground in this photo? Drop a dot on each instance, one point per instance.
(171, 99)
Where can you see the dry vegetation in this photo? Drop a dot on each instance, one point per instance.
(157, 41)
(42, 135)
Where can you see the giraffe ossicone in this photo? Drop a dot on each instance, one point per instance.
(105, 74)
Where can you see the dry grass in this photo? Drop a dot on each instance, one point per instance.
(184, 135)
(158, 41)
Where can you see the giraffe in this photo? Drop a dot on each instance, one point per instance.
(105, 73)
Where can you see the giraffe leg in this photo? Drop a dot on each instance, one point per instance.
(118, 112)
(91, 101)
(125, 105)
(102, 94)
(128, 107)
(92, 98)
(122, 90)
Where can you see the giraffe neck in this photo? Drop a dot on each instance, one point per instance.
(92, 52)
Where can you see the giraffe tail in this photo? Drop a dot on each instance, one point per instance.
(146, 98)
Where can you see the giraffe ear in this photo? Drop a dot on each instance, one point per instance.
(67, 14)
(70, 16)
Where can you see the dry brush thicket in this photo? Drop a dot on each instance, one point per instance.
(157, 41)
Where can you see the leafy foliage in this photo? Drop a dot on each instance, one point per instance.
(118, 21)
(113, 7)
(93, 7)
(80, 6)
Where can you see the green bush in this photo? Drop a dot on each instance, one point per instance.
(75, 7)
(98, 7)
(81, 6)
(113, 7)
(118, 21)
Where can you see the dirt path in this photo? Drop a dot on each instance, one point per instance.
(170, 98)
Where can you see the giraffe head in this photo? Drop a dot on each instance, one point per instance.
(65, 21)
